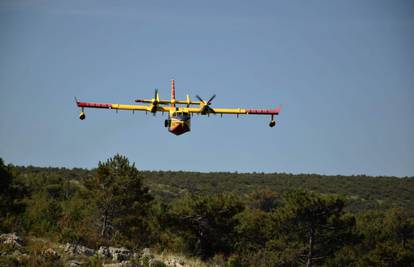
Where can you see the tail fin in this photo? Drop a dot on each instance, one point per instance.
(172, 93)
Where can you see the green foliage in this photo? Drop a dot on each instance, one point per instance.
(230, 219)
(9, 261)
(313, 227)
(207, 223)
(43, 214)
(263, 199)
(76, 223)
(146, 259)
(363, 192)
(93, 261)
(233, 261)
(304, 228)
(399, 226)
(387, 238)
(157, 263)
(121, 200)
(11, 194)
(6, 180)
(254, 229)
(388, 253)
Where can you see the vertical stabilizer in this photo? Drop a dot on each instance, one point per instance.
(172, 93)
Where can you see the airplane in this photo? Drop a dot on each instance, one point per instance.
(179, 117)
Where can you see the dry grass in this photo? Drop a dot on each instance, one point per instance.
(180, 260)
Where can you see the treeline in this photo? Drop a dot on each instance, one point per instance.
(361, 192)
(241, 222)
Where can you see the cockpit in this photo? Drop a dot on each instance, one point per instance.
(182, 116)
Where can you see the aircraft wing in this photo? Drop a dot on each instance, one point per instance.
(165, 102)
(111, 106)
(239, 111)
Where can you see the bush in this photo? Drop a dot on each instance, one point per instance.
(157, 263)
(233, 261)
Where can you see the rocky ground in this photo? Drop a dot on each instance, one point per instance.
(16, 251)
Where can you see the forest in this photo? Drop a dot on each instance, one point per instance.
(229, 219)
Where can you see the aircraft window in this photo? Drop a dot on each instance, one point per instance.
(181, 115)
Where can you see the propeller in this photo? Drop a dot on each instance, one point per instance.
(156, 97)
(205, 106)
(155, 101)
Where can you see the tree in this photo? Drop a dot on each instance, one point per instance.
(122, 202)
(311, 228)
(388, 238)
(263, 199)
(207, 223)
(43, 213)
(6, 199)
(253, 229)
(11, 194)
(400, 225)
(388, 253)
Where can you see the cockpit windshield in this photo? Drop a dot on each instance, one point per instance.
(181, 115)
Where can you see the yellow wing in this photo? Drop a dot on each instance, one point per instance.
(217, 110)
(235, 111)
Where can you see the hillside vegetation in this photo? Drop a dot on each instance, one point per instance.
(224, 219)
(361, 192)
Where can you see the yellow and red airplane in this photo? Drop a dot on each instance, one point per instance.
(179, 117)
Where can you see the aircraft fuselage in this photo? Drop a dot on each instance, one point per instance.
(178, 122)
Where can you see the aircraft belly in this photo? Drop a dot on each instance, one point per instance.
(179, 127)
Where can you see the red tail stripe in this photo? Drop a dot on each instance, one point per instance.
(172, 92)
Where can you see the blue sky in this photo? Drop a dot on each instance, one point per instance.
(342, 70)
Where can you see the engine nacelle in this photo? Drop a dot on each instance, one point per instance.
(272, 123)
(82, 115)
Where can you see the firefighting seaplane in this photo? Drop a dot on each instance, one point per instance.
(179, 111)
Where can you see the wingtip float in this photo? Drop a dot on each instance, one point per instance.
(179, 117)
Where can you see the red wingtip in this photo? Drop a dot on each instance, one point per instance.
(264, 111)
(278, 109)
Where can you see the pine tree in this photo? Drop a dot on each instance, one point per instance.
(11, 195)
(311, 228)
(122, 202)
(207, 223)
